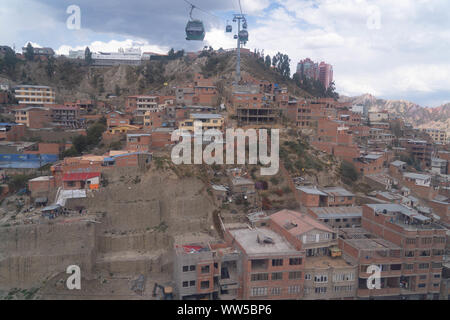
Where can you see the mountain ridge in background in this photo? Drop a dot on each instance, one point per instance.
(438, 117)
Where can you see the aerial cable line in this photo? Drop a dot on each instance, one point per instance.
(240, 7)
(200, 9)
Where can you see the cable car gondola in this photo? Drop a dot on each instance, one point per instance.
(195, 30)
(243, 35)
(229, 28)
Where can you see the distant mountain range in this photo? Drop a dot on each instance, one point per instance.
(413, 113)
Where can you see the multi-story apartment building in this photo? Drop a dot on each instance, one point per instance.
(438, 136)
(33, 117)
(420, 149)
(308, 69)
(117, 118)
(34, 95)
(85, 106)
(207, 271)
(326, 274)
(66, 116)
(365, 249)
(412, 266)
(325, 74)
(139, 105)
(439, 165)
(253, 106)
(271, 266)
(209, 121)
(153, 120)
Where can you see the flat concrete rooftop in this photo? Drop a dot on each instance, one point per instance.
(248, 239)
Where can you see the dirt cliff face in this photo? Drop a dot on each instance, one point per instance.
(139, 215)
(30, 254)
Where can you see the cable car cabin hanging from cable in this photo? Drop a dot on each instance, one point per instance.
(195, 29)
(243, 35)
(229, 28)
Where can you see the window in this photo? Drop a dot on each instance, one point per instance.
(307, 276)
(410, 241)
(321, 278)
(427, 240)
(409, 254)
(396, 267)
(204, 285)
(260, 277)
(438, 252)
(259, 292)
(425, 253)
(320, 290)
(343, 288)
(295, 261)
(294, 289)
(192, 268)
(205, 269)
(192, 283)
(295, 275)
(424, 265)
(277, 262)
(276, 291)
(439, 240)
(343, 277)
(423, 277)
(185, 268)
(185, 284)
(437, 276)
(277, 276)
(408, 266)
(436, 265)
(422, 285)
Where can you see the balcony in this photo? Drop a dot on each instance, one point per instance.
(365, 293)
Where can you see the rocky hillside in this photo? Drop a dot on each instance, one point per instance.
(73, 79)
(411, 112)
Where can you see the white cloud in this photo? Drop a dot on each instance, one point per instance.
(254, 6)
(405, 56)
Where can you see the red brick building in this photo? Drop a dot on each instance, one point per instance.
(414, 269)
(117, 119)
(271, 266)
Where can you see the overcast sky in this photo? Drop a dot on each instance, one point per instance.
(393, 49)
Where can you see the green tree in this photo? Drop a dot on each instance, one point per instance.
(281, 63)
(29, 52)
(267, 62)
(50, 68)
(331, 92)
(9, 62)
(348, 172)
(88, 56)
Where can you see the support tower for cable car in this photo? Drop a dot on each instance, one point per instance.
(239, 18)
